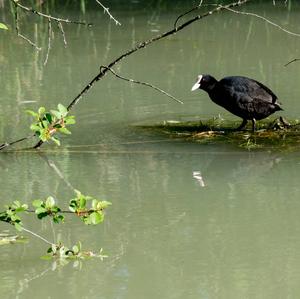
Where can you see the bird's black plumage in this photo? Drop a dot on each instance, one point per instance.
(242, 96)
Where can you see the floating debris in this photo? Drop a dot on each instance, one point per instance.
(6, 238)
(198, 176)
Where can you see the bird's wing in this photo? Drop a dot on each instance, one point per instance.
(267, 90)
(249, 87)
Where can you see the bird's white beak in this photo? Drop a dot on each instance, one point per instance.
(197, 84)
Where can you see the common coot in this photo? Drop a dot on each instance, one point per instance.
(242, 96)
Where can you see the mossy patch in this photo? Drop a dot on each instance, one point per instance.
(270, 133)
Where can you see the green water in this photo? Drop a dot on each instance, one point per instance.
(235, 233)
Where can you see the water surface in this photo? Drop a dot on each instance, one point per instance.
(233, 234)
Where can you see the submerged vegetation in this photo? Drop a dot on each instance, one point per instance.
(90, 210)
(271, 133)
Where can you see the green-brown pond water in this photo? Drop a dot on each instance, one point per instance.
(189, 219)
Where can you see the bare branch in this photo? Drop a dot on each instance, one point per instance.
(51, 164)
(31, 10)
(30, 42)
(36, 235)
(294, 60)
(106, 10)
(18, 30)
(142, 83)
(186, 13)
(7, 144)
(61, 29)
(49, 41)
(263, 18)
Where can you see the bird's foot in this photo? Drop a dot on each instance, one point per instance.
(280, 124)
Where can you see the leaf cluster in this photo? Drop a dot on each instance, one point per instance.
(46, 124)
(11, 214)
(89, 209)
(3, 26)
(75, 252)
(48, 208)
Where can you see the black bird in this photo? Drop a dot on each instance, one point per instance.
(242, 96)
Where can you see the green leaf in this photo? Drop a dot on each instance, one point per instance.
(96, 217)
(3, 26)
(35, 127)
(94, 204)
(62, 109)
(44, 135)
(53, 248)
(82, 202)
(48, 117)
(73, 205)
(44, 124)
(32, 113)
(37, 203)
(57, 114)
(40, 210)
(41, 110)
(79, 245)
(69, 120)
(46, 257)
(75, 249)
(78, 193)
(64, 131)
(18, 227)
(58, 218)
(103, 204)
(50, 202)
(55, 140)
(21, 209)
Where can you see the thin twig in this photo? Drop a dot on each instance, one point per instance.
(17, 19)
(61, 29)
(30, 42)
(58, 172)
(49, 41)
(106, 10)
(186, 13)
(18, 30)
(7, 144)
(260, 17)
(142, 83)
(31, 10)
(36, 235)
(294, 60)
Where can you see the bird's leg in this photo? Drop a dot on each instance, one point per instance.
(253, 125)
(242, 125)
